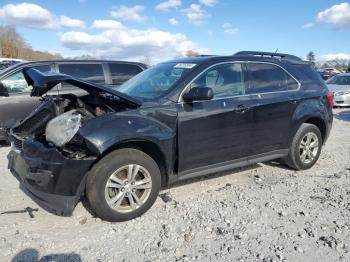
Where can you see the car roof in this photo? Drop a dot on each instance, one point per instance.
(82, 61)
(217, 59)
(31, 63)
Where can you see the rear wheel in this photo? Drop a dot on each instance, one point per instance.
(123, 185)
(306, 147)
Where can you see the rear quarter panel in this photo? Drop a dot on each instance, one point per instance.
(312, 98)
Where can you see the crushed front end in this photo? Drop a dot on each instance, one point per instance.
(53, 179)
(49, 156)
(53, 174)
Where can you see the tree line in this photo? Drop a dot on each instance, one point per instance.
(340, 64)
(12, 45)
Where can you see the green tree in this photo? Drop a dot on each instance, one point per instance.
(311, 58)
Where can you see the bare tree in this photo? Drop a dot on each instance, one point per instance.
(12, 45)
(191, 53)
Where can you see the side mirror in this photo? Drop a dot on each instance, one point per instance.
(198, 94)
(3, 90)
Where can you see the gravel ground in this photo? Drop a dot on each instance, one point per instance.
(263, 212)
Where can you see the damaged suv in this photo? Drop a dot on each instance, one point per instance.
(177, 120)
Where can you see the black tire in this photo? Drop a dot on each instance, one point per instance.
(293, 159)
(100, 174)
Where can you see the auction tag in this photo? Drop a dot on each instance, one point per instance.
(185, 65)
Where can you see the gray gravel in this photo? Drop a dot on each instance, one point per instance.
(260, 213)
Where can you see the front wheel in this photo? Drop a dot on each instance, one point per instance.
(306, 147)
(123, 185)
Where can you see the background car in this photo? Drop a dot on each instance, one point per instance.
(327, 73)
(340, 86)
(15, 100)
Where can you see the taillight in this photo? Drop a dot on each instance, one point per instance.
(330, 98)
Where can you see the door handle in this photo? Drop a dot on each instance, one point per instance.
(241, 109)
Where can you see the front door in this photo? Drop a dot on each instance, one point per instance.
(218, 130)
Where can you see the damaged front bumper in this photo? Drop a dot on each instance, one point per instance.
(52, 179)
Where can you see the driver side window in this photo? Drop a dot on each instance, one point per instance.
(226, 80)
(16, 83)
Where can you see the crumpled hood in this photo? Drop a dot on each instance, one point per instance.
(44, 82)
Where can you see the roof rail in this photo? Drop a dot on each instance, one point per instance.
(290, 58)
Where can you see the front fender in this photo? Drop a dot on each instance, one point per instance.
(106, 131)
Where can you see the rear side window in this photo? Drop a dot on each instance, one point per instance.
(87, 72)
(120, 73)
(266, 78)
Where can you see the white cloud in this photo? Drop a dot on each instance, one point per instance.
(129, 43)
(107, 24)
(81, 40)
(71, 23)
(208, 2)
(308, 25)
(166, 5)
(129, 13)
(195, 14)
(229, 29)
(337, 15)
(332, 57)
(173, 21)
(35, 16)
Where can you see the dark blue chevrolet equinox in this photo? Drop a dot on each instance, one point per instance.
(177, 120)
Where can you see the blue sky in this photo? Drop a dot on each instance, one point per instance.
(141, 29)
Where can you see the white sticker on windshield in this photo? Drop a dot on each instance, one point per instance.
(185, 65)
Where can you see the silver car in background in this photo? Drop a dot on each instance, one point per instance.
(340, 86)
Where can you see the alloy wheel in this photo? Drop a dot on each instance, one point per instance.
(308, 149)
(128, 188)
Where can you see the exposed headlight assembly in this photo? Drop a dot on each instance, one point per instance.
(62, 128)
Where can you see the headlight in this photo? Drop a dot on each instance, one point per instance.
(62, 128)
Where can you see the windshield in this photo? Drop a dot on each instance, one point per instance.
(156, 81)
(339, 80)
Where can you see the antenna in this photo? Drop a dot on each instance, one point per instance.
(276, 50)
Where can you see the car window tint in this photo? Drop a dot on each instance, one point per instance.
(88, 72)
(292, 84)
(42, 68)
(120, 73)
(266, 78)
(225, 80)
(16, 83)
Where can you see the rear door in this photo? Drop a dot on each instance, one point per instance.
(273, 113)
(218, 130)
(17, 103)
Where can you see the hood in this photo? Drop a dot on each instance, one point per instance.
(338, 88)
(44, 82)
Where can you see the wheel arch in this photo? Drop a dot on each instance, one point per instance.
(148, 147)
(320, 124)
